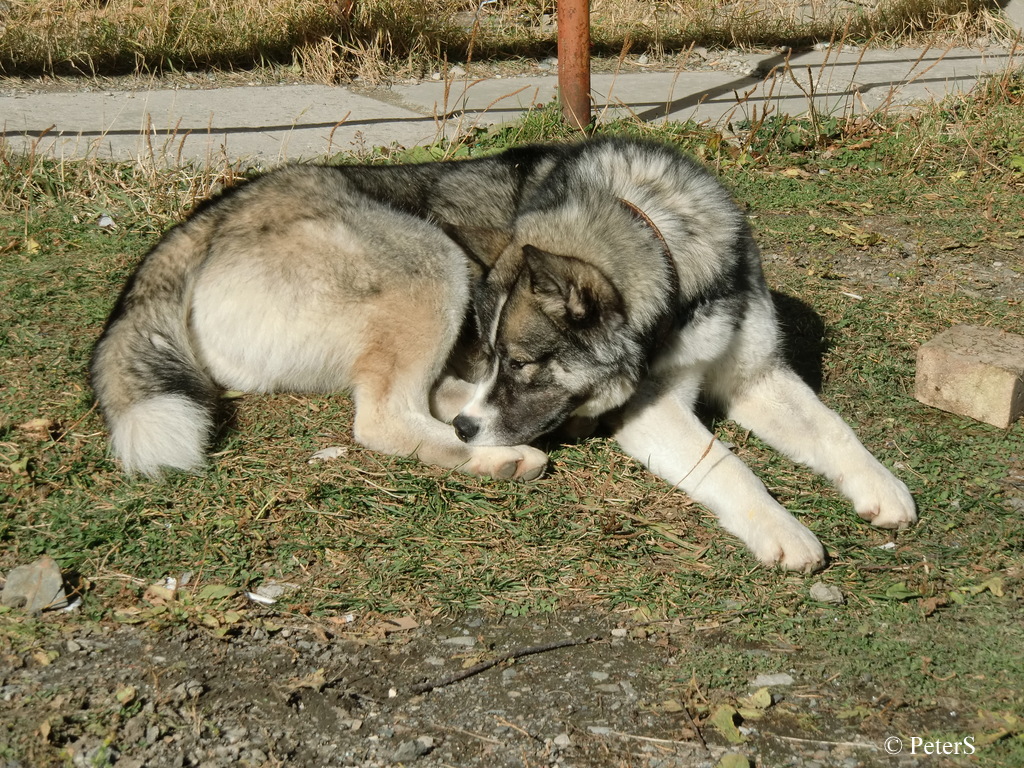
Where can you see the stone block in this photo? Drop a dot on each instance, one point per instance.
(973, 371)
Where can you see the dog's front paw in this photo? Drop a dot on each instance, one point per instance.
(532, 464)
(514, 462)
(787, 543)
(882, 499)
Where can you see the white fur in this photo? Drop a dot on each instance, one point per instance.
(661, 431)
(166, 431)
(476, 407)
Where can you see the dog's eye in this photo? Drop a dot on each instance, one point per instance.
(518, 365)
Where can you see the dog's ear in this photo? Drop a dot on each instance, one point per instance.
(571, 291)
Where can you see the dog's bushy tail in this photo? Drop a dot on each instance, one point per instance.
(157, 399)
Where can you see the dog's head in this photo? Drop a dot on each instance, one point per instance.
(557, 342)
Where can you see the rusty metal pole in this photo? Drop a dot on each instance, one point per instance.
(574, 61)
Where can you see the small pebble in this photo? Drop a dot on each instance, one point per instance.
(462, 641)
(826, 593)
(767, 681)
(415, 748)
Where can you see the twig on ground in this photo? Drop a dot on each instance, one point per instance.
(483, 666)
(696, 730)
(822, 742)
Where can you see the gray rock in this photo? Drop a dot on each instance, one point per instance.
(462, 641)
(767, 681)
(413, 749)
(35, 587)
(190, 689)
(826, 593)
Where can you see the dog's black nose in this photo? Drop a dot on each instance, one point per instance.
(465, 427)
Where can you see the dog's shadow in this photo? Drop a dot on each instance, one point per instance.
(804, 338)
(803, 346)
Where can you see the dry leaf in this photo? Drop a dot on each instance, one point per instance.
(759, 699)
(931, 604)
(39, 429)
(402, 624)
(314, 681)
(733, 760)
(724, 720)
(328, 454)
(993, 585)
(125, 694)
(160, 593)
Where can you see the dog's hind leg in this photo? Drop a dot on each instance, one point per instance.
(782, 410)
(660, 429)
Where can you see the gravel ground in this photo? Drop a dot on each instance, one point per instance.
(312, 695)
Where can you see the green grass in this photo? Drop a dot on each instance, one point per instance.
(932, 625)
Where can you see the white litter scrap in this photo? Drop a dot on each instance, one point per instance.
(328, 454)
(106, 223)
(269, 592)
(74, 605)
(770, 681)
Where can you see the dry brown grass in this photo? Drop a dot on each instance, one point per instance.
(382, 39)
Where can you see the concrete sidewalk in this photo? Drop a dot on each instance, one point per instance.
(268, 124)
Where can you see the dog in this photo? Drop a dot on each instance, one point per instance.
(473, 306)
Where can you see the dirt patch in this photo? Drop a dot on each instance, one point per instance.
(306, 696)
(899, 257)
(313, 695)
